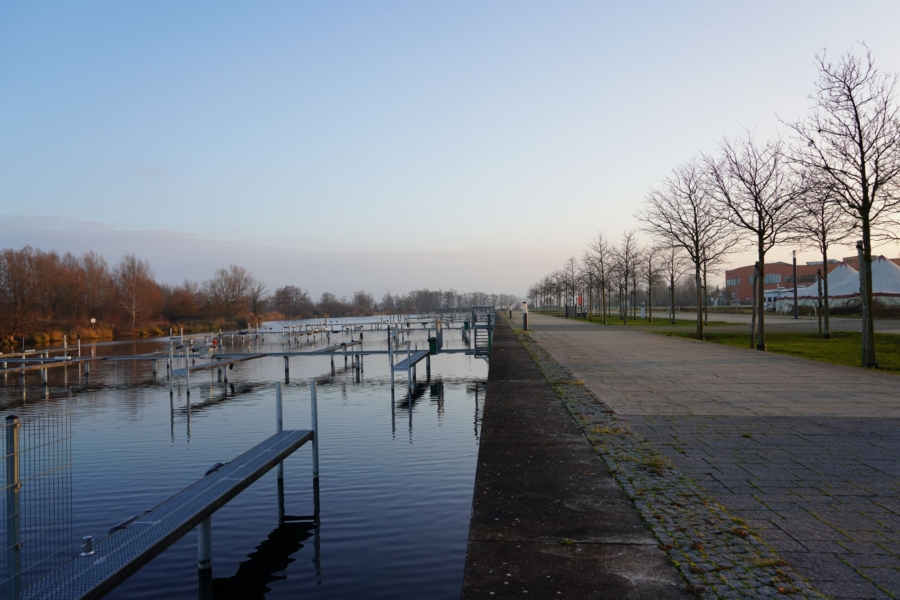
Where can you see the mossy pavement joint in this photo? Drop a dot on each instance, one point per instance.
(718, 555)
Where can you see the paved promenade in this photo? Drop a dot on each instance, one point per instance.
(807, 453)
(548, 519)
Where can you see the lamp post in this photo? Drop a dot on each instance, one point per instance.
(796, 308)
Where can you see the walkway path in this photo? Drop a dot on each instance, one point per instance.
(807, 453)
(548, 519)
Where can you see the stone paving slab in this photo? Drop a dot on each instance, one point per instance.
(807, 453)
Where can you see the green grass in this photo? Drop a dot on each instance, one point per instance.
(844, 348)
(659, 320)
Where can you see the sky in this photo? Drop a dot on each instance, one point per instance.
(385, 145)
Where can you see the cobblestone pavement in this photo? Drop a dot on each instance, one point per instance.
(806, 453)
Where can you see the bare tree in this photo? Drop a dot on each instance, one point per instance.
(652, 271)
(601, 256)
(682, 213)
(227, 289)
(135, 287)
(824, 223)
(674, 265)
(627, 254)
(757, 192)
(257, 297)
(852, 137)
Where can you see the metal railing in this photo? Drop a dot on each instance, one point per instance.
(37, 497)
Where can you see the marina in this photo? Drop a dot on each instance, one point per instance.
(386, 516)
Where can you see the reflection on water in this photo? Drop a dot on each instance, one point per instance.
(391, 516)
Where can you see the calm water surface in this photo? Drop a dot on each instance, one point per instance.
(396, 478)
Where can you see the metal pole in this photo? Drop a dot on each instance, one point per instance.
(13, 519)
(408, 367)
(391, 356)
(187, 372)
(287, 369)
(279, 422)
(314, 414)
(171, 369)
(204, 544)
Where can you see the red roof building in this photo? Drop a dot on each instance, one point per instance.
(739, 282)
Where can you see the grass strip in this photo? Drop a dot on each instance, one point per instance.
(844, 347)
(658, 321)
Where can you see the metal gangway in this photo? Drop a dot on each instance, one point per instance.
(137, 540)
(483, 327)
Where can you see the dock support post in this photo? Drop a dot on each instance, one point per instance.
(13, 523)
(314, 410)
(79, 346)
(171, 370)
(409, 375)
(428, 368)
(279, 426)
(204, 544)
(287, 369)
(279, 422)
(187, 372)
(391, 356)
(155, 367)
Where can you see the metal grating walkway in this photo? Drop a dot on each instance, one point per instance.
(406, 363)
(120, 555)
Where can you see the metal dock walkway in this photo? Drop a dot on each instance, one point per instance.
(407, 363)
(114, 559)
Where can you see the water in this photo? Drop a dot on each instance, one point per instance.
(395, 487)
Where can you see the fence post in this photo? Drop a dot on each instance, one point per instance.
(314, 414)
(13, 519)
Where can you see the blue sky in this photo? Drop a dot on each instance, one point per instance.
(382, 144)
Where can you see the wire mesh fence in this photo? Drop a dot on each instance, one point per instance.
(36, 496)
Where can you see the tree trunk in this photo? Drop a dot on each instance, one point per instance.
(705, 299)
(700, 334)
(827, 332)
(761, 300)
(672, 298)
(753, 318)
(869, 320)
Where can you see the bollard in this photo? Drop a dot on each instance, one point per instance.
(204, 544)
(314, 410)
